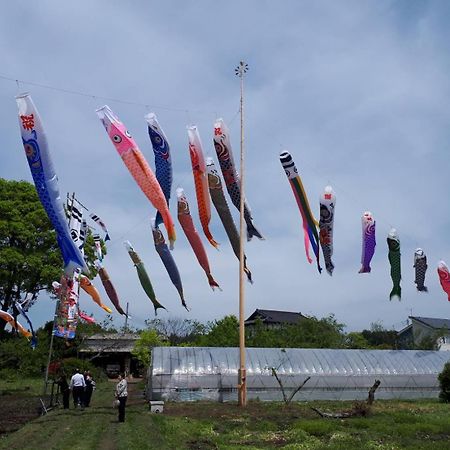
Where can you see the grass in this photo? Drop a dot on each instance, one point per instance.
(203, 425)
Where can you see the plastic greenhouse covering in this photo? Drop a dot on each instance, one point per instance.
(211, 373)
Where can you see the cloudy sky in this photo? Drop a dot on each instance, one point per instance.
(357, 91)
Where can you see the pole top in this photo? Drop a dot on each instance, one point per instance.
(241, 69)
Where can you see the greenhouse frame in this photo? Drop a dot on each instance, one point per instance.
(211, 373)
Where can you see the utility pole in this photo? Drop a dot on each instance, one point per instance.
(240, 71)
(125, 328)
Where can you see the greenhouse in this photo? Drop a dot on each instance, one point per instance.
(211, 373)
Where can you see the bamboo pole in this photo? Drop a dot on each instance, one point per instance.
(242, 382)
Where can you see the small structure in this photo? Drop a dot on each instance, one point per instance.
(423, 328)
(211, 373)
(112, 352)
(273, 318)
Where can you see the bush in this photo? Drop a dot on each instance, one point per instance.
(444, 383)
(69, 365)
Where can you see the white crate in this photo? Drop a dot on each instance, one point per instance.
(156, 407)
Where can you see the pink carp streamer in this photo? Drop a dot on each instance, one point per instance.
(201, 182)
(138, 166)
(368, 241)
(185, 219)
(85, 317)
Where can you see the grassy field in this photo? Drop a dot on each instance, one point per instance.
(392, 425)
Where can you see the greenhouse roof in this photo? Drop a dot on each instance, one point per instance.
(209, 360)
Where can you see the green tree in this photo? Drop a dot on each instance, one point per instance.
(221, 333)
(30, 259)
(316, 333)
(142, 347)
(177, 331)
(29, 256)
(355, 339)
(444, 383)
(379, 337)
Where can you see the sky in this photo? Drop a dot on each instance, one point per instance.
(357, 92)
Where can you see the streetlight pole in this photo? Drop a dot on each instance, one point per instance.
(240, 71)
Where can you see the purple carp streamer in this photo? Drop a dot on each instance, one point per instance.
(368, 241)
(309, 223)
(185, 219)
(221, 205)
(46, 181)
(326, 222)
(222, 144)
(163, 159)
(393, 242)
(102, 225)
(420, 266)
(168, 261)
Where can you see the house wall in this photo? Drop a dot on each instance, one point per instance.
(421, 332)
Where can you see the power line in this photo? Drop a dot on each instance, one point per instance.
(101, 97)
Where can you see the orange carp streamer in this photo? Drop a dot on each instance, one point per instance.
(201, 182)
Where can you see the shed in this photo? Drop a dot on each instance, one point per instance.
(112, 352)
(211, 373)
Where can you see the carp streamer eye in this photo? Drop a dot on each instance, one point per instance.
(117, 138)
(128, 133)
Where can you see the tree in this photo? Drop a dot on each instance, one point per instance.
(30, 259)
(221, 333)
(177, 331)
(142, 347)
(29, 256)
(355, 339)
(379, 337)
(444, 383)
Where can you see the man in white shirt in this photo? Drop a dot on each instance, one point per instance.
(77, 386)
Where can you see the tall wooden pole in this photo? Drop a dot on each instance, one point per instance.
(240, 70)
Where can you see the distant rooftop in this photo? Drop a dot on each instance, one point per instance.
(110, 343)
(275, 317)
(433, 323)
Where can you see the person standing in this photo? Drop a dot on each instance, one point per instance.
(77, 385)
(64, 389)
(90, 387)
(122, 395)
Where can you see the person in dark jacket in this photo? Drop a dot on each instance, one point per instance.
(90, 387)
(64, 389)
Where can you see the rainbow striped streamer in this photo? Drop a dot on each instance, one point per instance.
(310, 225)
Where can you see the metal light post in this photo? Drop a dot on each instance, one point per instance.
(240, 71)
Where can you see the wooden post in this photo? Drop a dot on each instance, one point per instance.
(242, 383)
